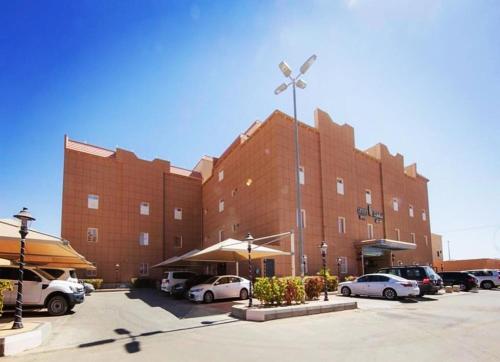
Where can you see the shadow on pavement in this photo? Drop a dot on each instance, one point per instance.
(180, 308)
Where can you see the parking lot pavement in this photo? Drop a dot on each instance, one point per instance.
(456, 327)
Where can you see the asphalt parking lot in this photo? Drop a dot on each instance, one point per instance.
(147, 325)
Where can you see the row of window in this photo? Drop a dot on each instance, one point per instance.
(343, 264)
(143, 270)
(93, 233)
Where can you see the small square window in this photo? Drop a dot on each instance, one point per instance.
(410, 210)
(144, 208)
(144, 239)
(343, 264)
(221, 205)
(143, 269)
(424, 215)
(303, 217)
(221, 175)
(341, 224)
(178, 242)
(302, 176)
(221, 235)
(395, 205)
(92, 235)
(413, 240)
(178, 213)
(234, 192)
(340, 186)
(93, 202)
(236, 227)
(368, 196)
(398, 234)
(370, 231)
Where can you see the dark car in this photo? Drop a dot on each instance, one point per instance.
(465, 280)
(429, 282)
(180, 290)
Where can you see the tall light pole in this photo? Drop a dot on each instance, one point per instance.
(26, 220)
(324, 248)
(449, 253)
(296, 82)
(249, 239)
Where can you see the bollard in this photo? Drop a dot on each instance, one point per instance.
(456, 288)
(448, 289)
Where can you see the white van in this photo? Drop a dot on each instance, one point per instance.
(171, 278)
(41, 290)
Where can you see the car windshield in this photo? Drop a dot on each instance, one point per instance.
(211, 280)
(45, 274)
(432, 274)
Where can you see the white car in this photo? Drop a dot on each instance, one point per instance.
(41, 290)
(380, 285)
(487, 278)
(220, 287)
(171, 278)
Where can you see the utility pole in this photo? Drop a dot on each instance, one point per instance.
(449, 253)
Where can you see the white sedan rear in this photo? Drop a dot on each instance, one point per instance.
(380, 285)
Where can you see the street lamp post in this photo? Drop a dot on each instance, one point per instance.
(26, 220)
(339, 263)
(117, 270)
(249, 239)
(296, 82)
(324, 248)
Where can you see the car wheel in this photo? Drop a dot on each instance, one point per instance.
(421, 294)
(57, 305)
(487, 285)
(243, 294)
(346, 291)
(390, 294)
(463, 287)
(208, 297)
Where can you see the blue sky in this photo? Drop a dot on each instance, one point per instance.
(179, 79)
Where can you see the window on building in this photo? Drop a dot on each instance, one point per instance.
(178, 213)
(395, 205)
(221, 175)
(236, 227)
(343, 264)
(144, 208)
(92, 235)
(370, 231)
(93, 202)
(341, 224)
(424, 215)
(302, 175)
(143, 239)
(221, 235)
(426, 240)
(413, 240)
(91, 272)
(178, 241)
(340, 186)
(306, 265)
(303, 217)
(410, 210)
(368, 195)
(398, 234)
(143, 269)
(234, 192)
(221, 205)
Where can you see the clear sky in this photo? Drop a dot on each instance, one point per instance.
(179, 79)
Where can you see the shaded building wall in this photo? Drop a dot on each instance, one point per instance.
(122, 182)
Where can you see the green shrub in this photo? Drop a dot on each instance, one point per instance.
(5, 285)
(277, 290)
(262, 290)
(313, 287)
(143, 282)
(97, 283)
(332, 281)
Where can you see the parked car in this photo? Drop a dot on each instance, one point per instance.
(487, 278)
(428, 281)
(380, 285)
(465, 280)
(171, 278)
(69, 274)
(181, 290)
(41, 290)
(220, 287)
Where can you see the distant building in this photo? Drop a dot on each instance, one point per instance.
(370, 209)
(470, 264)
(437, 251)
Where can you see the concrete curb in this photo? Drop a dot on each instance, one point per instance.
(267, 314)
(16, 343)
(107, 290)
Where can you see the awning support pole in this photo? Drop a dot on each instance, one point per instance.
(237, 269)
(362, 262)
(292, 251)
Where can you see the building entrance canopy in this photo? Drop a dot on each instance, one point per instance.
(385, 244)
(41, 249)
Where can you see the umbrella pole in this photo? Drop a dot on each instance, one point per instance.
(237, 268)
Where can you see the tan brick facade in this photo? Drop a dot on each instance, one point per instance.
(249, 188)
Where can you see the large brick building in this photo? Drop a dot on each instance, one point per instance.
(349, 196)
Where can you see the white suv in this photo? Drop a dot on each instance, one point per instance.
(41, 290)
(487, 278)
(69, 274)
(171, 278)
